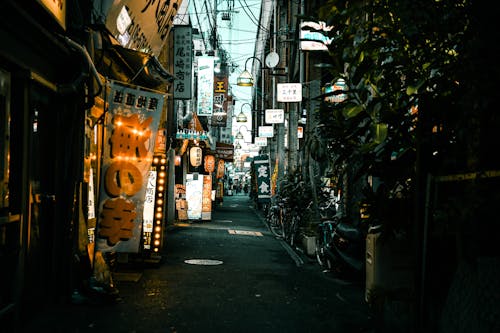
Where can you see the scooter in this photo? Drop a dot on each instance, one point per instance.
(341, 247)
(349, 246)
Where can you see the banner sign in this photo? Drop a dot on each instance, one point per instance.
(262, 174)
(205, 104)
(219, 117)
(183, 62)
(130, 129)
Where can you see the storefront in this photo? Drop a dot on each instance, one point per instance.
(45, 92)
(59, 115)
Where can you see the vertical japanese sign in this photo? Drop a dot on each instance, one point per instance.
(206, 207)
(205, 103)
(148, 213)
(194, 189)
(183, 62)
(262, 174)
(130, 129)
(219, 117)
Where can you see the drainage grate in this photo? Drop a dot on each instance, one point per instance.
(203, 262)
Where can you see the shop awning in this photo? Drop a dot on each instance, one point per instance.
(224, 151)
(130, 66)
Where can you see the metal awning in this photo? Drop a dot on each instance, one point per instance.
(131, 66)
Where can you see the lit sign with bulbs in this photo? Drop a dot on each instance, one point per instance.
(131, 125)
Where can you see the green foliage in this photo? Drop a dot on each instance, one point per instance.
(392, 55)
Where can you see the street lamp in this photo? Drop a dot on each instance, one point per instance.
(246, 80)
(240, 135)
(241, 117)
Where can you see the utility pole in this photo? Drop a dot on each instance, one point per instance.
(279, 23)
(293, 114)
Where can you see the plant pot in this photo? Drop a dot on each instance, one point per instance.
(309, 244)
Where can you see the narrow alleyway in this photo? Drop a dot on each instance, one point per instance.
(226, 275)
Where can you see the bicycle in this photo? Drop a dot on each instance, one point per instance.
(324, 242)
(275, 219)
(286, 212)
(294, 223)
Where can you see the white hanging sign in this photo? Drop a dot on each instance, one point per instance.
(289, 92)
(260, 142)
(266, 131)
(275, 116)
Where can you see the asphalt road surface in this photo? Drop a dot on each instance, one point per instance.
(229, 274)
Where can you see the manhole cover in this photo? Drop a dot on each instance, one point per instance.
(204, 262)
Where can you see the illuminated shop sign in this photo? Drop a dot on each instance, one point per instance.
(152, 233)
(131, 125)
(206, 206)
(56, 8)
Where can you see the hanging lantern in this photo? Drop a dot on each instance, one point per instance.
(209, 163)
(183, 147)
(195, 156)
(220, 169)
(177, 160)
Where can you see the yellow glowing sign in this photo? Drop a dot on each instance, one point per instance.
(57, 8)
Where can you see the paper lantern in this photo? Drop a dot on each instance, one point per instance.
(209, 163)
(220, 169)
(195, 156)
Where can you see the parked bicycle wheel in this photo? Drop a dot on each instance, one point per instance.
(320, 247)
(293, 229)
(323, 253)
(274, 222)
